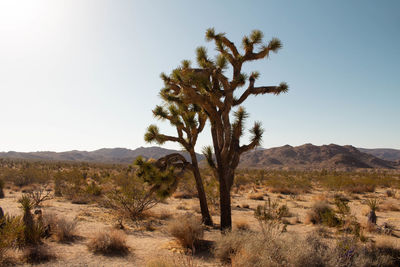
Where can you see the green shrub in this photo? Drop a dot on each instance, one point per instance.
(32, 230)
(322, 213)
(11, 233)
(270, 215)
(132, 198)
(93, 189)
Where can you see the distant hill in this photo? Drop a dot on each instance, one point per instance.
(309, 156)
(383, 153)
(104, 155)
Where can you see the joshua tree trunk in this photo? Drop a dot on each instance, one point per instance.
(225, 204)
(207, 220)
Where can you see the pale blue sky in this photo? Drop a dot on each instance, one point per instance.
(85, 74)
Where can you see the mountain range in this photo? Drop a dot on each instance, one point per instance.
(307, 156)
(104, 155)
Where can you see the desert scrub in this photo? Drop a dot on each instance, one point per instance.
(109, 242)
(187, 229)
(11, 232)
(322, 213)
(243, 249)
(38, 254)
(289, 184)
(133, 196)
(92, 189)
(39, 195)
(242, 225)
(270, 216)
(32, 230)
(63, 230)
(173, 261)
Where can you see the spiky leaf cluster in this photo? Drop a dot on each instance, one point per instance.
(215, 92)
(163, 182)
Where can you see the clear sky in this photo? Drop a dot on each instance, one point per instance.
(85, 74)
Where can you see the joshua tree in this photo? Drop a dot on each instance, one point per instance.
(210, 88)
(189, 121)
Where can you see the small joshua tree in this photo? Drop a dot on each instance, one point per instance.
(189, 121)
(152, 182)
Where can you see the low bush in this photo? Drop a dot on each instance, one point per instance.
(271, 216)
(38, 254)
(322, 213)
(109, 242)
(65, 229)
(132, 198)
(187, 229)
(11, 233)
(242, 225)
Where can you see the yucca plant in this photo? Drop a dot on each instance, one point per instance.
(11, 230)
(373, 205)
(32, 230)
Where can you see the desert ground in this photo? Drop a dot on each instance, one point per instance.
(149, 241)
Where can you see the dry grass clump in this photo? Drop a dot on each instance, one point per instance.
(187, 229)
(230, 244)
(161, 262)
(63, 230)
(175, 261)
(322, 213)
(38, 254)
(109, 242)
(254, 249)
(242, 225)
